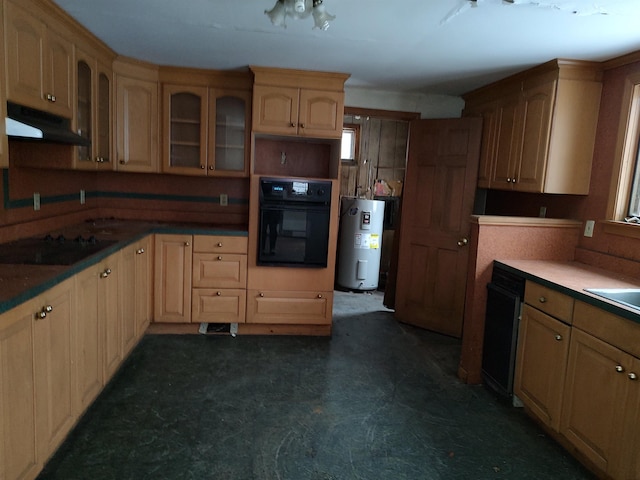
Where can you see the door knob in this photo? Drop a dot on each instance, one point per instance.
(463, 241)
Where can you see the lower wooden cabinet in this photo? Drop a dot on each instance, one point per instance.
(172, 278)
(543, 347)
(279, 307)
(225, 305)
(37, 380)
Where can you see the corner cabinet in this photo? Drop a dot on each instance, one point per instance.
(298, 103)
(539, 128)
(136, 117)
(205, 130)
(39, 61)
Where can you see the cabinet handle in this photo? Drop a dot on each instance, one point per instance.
(558, 338)
(619, 368)
(202, 167)
(302, 125)
(261, 294)
(293, 125)
(319, 295)
(45, 310)
(633, 376)
(462, 242)
(140, 251)
(186, 244)
(542, 300)
(219, 258)
(219, 244)
(218, 293)
(122, 162)
(210, 167)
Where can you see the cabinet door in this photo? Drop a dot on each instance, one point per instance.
(89, 352)
(594, 406)
(304, 308)
(108, 310)
(85, 121)
(172, 289)
(507, 142)
(629, 468)
(103, 136)
(219, 305)
(275, 110)
(144, 284)
(229, 134)
(185, 114)
(490, 125)
(18, 452)
(137, 125)
(214, 270)
(127, 298)
(59, 73)
(543, 347)
(25, 47)
(54, 356)
(321, 114)
(536, 129)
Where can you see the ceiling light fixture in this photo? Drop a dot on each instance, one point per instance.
(300, 9)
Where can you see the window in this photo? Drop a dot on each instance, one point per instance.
(350, 143)
(624, 202)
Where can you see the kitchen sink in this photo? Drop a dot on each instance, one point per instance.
(626, 296)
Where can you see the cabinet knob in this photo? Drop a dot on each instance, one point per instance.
(508, 180)
(106, 273)
(51, 98)
(633, 376)
(122, 162)
(219, 258)
(293, 125)
(210, 167)
(558, 338)
(140, 251)
(261, 294)
(45, 310)
(218, 293)
(219, 244)
(302, 125)
(542, 300)
(619, 368)
(319, 295)
(462, 242)
(41, 314)
(202, 167)
(186, 244)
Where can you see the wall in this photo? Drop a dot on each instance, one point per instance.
(111, 194)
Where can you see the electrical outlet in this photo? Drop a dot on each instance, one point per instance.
(83, 197)
(36, 201)
(224, 199)
(588, 228)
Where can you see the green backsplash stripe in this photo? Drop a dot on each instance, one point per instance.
(73, 197)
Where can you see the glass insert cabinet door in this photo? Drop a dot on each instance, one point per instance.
(231, 114)
(84, 110)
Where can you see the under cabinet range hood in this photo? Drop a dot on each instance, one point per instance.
(25, 123)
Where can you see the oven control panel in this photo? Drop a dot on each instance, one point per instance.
(295, 190)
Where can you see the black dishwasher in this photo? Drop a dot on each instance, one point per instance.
(505, 294)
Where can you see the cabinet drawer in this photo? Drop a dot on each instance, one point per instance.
(219, 244)
(554, 303)
(224, 270)
(618, 331)
(278, 307)
(218, 306)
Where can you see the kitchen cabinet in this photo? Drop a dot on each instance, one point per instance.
(289, 307)
(134, 282)
(93, 112)
(39, 62)
(143, 284)
(602, 392)
(172, 278)
(540, 128)
(110, 313)
(137, 119)
(298, 103)
(543, 347)
(4, 146)
(205, 131)
(37, 380)
(219, 279)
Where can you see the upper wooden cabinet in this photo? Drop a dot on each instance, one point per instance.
(93, 114)
(136, 116)
(539, 128)
(300, 103)
(205, 130)
(40, 62)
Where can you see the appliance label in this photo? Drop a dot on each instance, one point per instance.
(367, 241)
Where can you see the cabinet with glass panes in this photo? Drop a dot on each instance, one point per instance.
(205, 130)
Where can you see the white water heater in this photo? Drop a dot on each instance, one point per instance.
(360, 246)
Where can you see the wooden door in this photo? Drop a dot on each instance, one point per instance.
(172, 289)
(137, 125)
(88, 338)
(55, 379)
(18, 453)
(543, 347)
(594, 405)
(437, 202)
(321, 114)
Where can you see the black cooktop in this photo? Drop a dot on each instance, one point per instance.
(51, 250)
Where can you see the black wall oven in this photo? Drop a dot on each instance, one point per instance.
(294, 222)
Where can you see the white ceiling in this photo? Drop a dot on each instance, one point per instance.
(426, 46)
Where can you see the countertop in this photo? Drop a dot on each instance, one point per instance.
(571, 278)
(19, 283)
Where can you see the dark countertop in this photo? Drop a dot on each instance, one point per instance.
(19, 283)
(571, 278)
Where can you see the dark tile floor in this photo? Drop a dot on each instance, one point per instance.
(377, 400)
